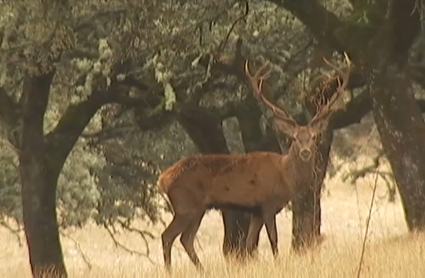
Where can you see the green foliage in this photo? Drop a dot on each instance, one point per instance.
(155, 42)
(367, 13)
(78, 193)
(167, 49)
(10, 198)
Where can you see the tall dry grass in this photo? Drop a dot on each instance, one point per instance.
(390, 250)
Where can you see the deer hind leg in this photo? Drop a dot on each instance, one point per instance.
(176, 227)
(188, 237)
(253, 233)
(270, 223)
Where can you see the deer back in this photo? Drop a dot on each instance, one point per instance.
(244, 179)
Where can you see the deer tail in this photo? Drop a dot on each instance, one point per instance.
(163, 190)
(167, 202)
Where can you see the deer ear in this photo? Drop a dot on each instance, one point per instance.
(286, 126)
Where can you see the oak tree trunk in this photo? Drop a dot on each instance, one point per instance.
(382, 49)
(39, 183)
(206, 132)
(306, 207)
(402, 130)
(397, 116)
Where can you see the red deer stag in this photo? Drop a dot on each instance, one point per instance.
(259, 182)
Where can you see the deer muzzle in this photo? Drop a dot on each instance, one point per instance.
(305, 154)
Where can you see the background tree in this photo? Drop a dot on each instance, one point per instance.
(397, 115)
(97, 98)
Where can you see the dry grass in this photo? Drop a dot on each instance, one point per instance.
(390, 251)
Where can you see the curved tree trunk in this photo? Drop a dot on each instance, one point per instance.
(397, 116)
(382, 51)
(205, 130)
(306, 208)
(402, 130)
(39, 183)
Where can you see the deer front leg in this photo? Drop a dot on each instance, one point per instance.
(270, 222)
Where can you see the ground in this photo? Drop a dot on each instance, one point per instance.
(390, 250)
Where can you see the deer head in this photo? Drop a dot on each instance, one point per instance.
(303, 137)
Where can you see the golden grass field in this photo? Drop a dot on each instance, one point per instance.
(390, 251)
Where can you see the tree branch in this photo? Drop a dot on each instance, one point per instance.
(125, 248)
(359, 107)
(321, 22)
(36, 91)
(360, 173)
(327, 28)
(77, 245)
(355, 110)
(63, 137)
(402, 26)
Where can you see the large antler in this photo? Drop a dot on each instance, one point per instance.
(256, 81)
(344, 76)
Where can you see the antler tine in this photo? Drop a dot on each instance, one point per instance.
(256, 81)
(344, 75)
(326, 109)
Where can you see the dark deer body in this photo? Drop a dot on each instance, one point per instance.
(259, 182)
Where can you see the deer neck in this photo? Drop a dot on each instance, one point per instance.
(301, 173)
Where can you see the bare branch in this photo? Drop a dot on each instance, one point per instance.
(242, 17)
(125, 248)
(108, 133)
(141, 233)
(77, 244)
(15, 232)
(321, 22)
(360, 173)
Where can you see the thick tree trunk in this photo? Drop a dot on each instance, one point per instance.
(206, 132)
(306, 207)
(402, 130)
(397, 116)
(235, 231)
(38, 183)
(383, 53)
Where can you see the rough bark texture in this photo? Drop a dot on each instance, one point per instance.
(236, 225)
(398, 117)
(41, 160)
(306, 208)
(402, 131)
(380, 51)
(38, 183)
